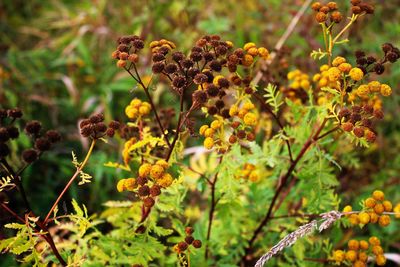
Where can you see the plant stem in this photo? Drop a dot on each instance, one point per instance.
(268, 109)
(212, 211)
(313, 138)
(77, 172)
(15, 215)
(18, 183)
(47, 236)
(50, 241)
(178, 128)
(153, 107)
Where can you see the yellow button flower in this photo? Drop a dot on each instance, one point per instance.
(356, 74)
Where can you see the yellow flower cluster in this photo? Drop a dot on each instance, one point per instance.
(251, 52)
(155, 45)
(128, 184)
(397, 211)
(157, 172)
(299, 80)
(209, 133)
(248, 118)
(126, 151)
(137, 108)
(365, 90)
(249, 172)
(374, 207)
(328, 77)
(358, 252)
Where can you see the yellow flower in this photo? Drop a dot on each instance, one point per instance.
(253, 51)
(144, 110)
(380, 260)
(254, 176)
(378, 195)
(209, 132)
(248, 106)
(345, 67)
(353, 244)
(166, 180)
(364, 217)
(242, 112)
(154, 44)
(131, 112)
(233, 110)
(156, 171)
(387, 205)
(250, 119)
(263, 52)
(305, 84)
(216, 79)
(317, 77)
(364, 245)
(203, 129)
(337, 61)
(144, 170)
(370, 202)
(373, 240)
(135, 103)
(216, 124)
(384, 220)
(229, 43)
(386, 90)
(356, 74)
(339, 255)
(323, 82)
(351, 255)
(247, 46)
(208, 143)
(397, 211)
(247, 60)
(295, 85)
(324, 68)
(121, 185)
(362, 90)
(130, 184)
(334, 74)
(162, 163)
(374, 86)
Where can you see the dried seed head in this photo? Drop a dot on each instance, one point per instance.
(199, 97)
(42, 144)
(4, 150)
(148, 202)
(29, 155)
(143, 191)
(4, 135)
(197, 243)
(53, 136)
(33, 127)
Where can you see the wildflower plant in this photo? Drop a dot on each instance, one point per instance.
(267, 153)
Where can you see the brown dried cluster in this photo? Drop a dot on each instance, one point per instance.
(95, 128)
(43, 141)
(359, 120)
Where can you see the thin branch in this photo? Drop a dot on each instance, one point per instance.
(212, 211)
(289, 30)
(153, 107)
(18, 182)
(266, 107)
(77, 172)
(284, 180)
(15, 215)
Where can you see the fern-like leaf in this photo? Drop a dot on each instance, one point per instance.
(273, 97)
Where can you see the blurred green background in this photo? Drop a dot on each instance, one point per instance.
(55, 64)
